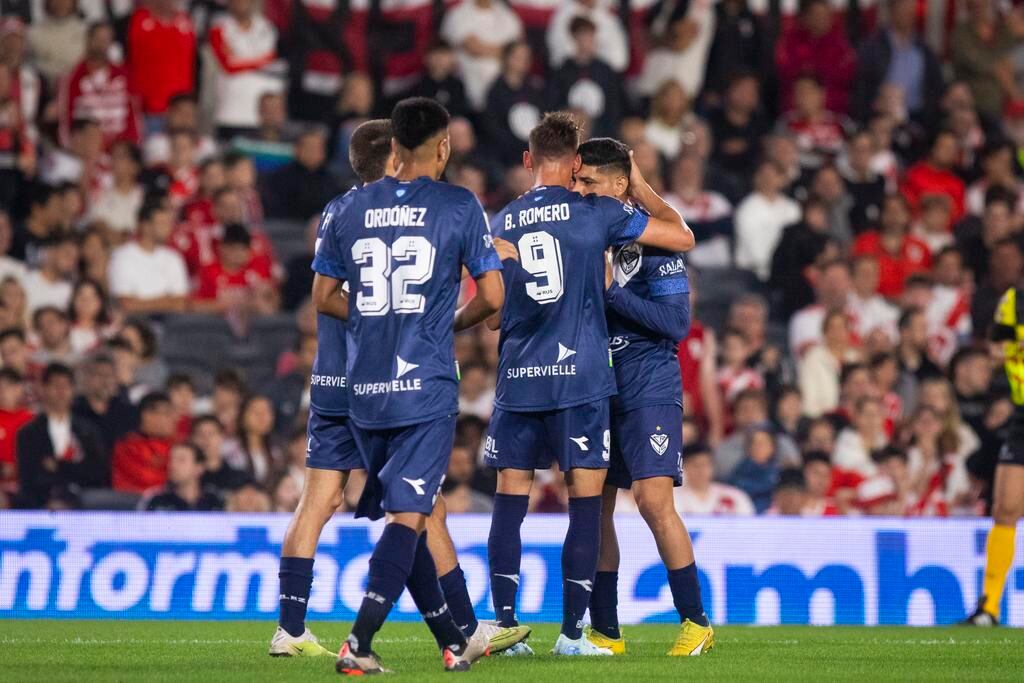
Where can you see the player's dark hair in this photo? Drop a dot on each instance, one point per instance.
(54, 370)
(606, 154)
(368, 149)
(415, 120)
(557, 136)
(152, 400)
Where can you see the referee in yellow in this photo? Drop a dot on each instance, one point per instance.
(1008, 489)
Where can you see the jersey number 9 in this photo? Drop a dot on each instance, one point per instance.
(387, 273)
(540, 255)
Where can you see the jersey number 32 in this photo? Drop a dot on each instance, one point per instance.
(387, 274)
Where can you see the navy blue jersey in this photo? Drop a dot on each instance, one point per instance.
(327, 394)
(646, 366)
(401, 246)
(554, 337)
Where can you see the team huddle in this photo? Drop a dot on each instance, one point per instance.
(587, 380)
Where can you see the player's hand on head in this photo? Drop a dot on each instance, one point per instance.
(636, 178)
(506, 250)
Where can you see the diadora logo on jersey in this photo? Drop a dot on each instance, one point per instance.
(617, 343)
(581, 441)
(659, 442)
(416, 484)
(627, 263)
(564, 352)
(402, 368)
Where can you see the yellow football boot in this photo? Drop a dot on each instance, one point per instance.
(692, 640)
(616, 645)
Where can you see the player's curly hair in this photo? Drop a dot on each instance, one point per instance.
(557, 136)
(415, 120)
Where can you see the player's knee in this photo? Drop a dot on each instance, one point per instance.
(654, 506)
(1006, 513)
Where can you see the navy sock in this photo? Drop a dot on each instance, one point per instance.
(453, 584)
(504, 553)
(579, 562)
(685, 589)
(390, 566)
(296, 575)
(426, 593)
(604, 602)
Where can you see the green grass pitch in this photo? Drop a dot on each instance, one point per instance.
(49, 651)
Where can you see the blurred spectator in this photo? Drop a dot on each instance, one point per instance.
(1007, 265)
(57, 39)
(708, 213)
(817, 472)
(184, 490)
(897, 54)
(146, 275)
(999, 168)
(117, 207)
(683, 53)
(94, 250)
(760, 219)
(182, 392)
(51, 333)
(234, 284)
(750, 410)
(758, 472)
(818, 133)
(140, 458)
(611, 44)
(868, 311)
(698, 365)
(244, 45)
(816, 45)
(820, 366)
(701, 495)
(899, 254)
(290, 392)
(257, 454)
(50, 284)
(250, 498)
(56, 450)
(932, 226)
(585, 83)
(790, 494)
(240, 174)
(514, 105)
(151, 370)
(864, 184)
(738, 45)
(936, 175)
(480, 30)
(459, 496)
(181, 114)
(89, 314)
(161, 56)
(27, 85)
(913, 346)
(979, 47)
(14, 412)
(734, 376)
(300, 189)
(739, 124)
(669, 118)
(440, 80)
(272, 145)
(857, 444)
(801, 246)
(43, 219)
(476, 391)
(208, 435)
(102, 402)
(15, 353)
(98, 89)
(81, 162)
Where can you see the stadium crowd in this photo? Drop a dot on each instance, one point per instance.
(853, 175)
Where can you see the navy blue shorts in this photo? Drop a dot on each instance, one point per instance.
(330, 444)
(576, 437)
(646, 442)
(405, 466)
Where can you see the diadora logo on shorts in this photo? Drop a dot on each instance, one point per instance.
(581, 441)
(659, 442)
(416, 484)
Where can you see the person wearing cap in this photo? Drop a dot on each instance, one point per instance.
(232, 281)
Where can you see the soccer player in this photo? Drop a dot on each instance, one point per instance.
(554, 372)
(333, 454)
(648, 310)
(1008, 489)
(406, 239)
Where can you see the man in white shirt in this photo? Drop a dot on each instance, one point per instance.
(831, 282)
(479, 30)
(50, 284)
(701, 495)
(708, 213)
(760, 218)
(612, 46)
(869, 312)
(684, 56)
(146, 275)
